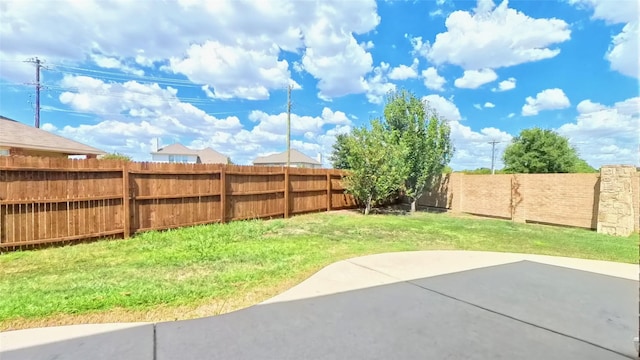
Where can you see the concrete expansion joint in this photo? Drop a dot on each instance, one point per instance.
(155, 342)
(375, 270)
(495, 312)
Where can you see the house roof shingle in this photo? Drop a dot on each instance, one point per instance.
(175, 149)
(19, 135)
(281, 158)
(206, 155)
(210, 156)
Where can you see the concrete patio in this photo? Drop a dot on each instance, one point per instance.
(412, 305)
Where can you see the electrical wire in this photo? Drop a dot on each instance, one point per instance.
(164, 113)
(122, 78)
(129, 77)
(75, 90)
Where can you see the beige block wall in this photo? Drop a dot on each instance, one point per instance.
(636, 199)
(440, 195)
(560, 199)
(488, 195)
(563, 199)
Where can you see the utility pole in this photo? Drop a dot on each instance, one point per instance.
(493, 155)
(38, 87)
(288, 125)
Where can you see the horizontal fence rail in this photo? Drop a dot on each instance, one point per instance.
(53, 200)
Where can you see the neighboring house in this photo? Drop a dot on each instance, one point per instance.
(178, 153)
(20, 139)
(297, 159)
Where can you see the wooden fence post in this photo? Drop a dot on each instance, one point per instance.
(126, 205)
(223, 194)
(328, 190)
(286, 192)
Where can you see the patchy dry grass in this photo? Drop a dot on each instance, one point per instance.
(214, 269)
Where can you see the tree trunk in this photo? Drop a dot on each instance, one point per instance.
(413, 205)
(367, 207)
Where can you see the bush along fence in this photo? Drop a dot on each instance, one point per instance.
(53, 200)
(607, 202)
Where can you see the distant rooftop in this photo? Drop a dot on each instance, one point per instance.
(205, 156)
(18, 135)
(281, 158)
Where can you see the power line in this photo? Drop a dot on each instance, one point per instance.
(60, 68)
(50, 109)
(128, 77)
(76, 90)
(124, 77)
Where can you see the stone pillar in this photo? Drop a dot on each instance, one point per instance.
(615, 209)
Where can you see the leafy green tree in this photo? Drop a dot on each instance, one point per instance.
(339, 156)
(537, 150)
(582, 166)
(478, 171)
(376, 164)
(481, 171)
(424, 135)
(116, 156)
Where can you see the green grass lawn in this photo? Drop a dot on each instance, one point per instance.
(211, 269)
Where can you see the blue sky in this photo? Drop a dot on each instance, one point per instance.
(121, 73)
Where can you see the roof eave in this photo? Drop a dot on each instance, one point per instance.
(52, 149)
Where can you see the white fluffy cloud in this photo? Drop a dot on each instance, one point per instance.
(130, 114)
(487, 104)
(432, 80)
(404, 72)
(612, 12)
(106, 62)
(221, 40)
(494, 37)
(472, 147)
(268, 136)
(420, 47)
(506, 85)
(587, 106)
(473, 79)
(623, 51)
(332, 55)
(377, 86)
(549, 99)
(131, 105)
(233, 71)
(606, 134)
(300, 125)
(341, 70)
(445, 108)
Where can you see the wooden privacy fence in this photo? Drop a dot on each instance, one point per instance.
(49, 200)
